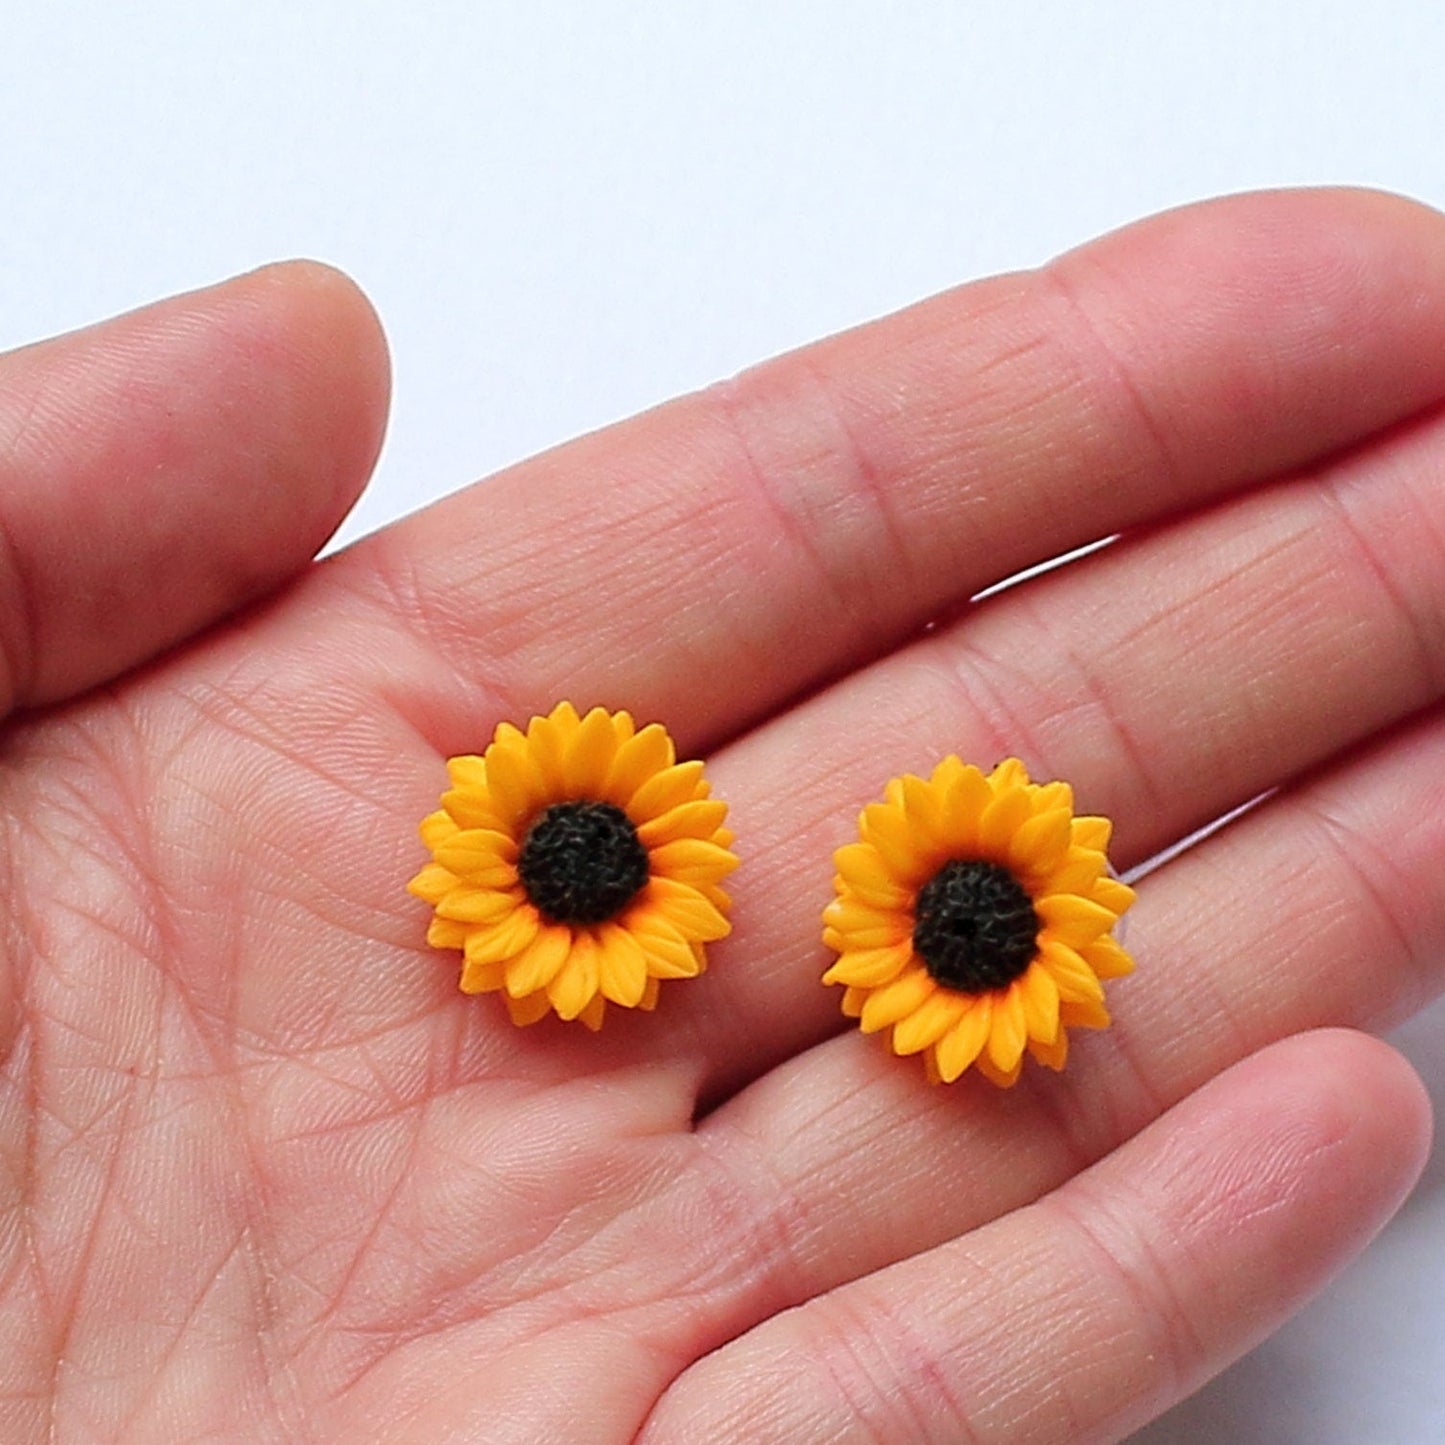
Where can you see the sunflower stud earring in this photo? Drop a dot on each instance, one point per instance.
(576, 864)
(973, 920)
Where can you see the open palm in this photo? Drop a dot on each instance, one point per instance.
(269, 1176)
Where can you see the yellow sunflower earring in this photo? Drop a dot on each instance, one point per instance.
(575, 865)
(973, 919)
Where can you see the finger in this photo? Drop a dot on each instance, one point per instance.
(1169, 679)
(159, 470)
(1323, 907)
(706, 562)
(1090, 1312)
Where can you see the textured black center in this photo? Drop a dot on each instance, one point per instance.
(974, 927)
(582, 862)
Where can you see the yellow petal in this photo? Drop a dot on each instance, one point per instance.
(1005, 1079)
(1053, 1055)
(896, 1000)
(1040, 844)
(469, 904)
(929, 1021)
(481, 977)
(528, 1010)
(1007, 776)
(967, 796)
(446, 933)
(565, 719)
(1001, 820)
(515, 784)
(621, 966)
(1073, 920)
(668, 953)
(433, 883)
(1112, 894)
(467, 770)
(1009, 1034)
(908, 861)
(547, 743)
(475, 851)
(861, 867)
(436, 826)
(471, 807)
(960, 1046)
(700, 819)
(648, 1001)
(593, 1014)
(850, 916)
(692, 860)
(923, 807)
(1041, 1003)
(575, 984)
(647, 752)
(869, 967)
(1077, 872)
(666, 790)
(1084, 1015)
(853, 1001)
(1076, 981)
(1053, 795)
(1107, 959)
(504, 939)
(1092, 833)
(590, 754)
(536, 965)
(684, 907)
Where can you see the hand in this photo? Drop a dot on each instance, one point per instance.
(269, 1176)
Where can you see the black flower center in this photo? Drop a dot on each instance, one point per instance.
(582, 862)
(974, 926)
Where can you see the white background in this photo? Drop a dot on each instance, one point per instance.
(566, 212)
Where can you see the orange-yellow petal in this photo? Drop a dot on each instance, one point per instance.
(1041, 1002)
(505, 939)
(961, 1045)
(647, 752)
(621, 965)
(589, 756)
(684, 907)
(1073, 920)
(528, 1010)
(929, 1021)
(692, 860)
(433, 883)
(1000, 821)
(1040, 844)
(896, 1000)
(1076, 981)
(468, 904)
(870, 967)
(436, 826)
(1107, 958)
(660, 793)
(698, 819)
(446, 933)
(1009, 1034)
(576, 981)
(1053, 1055)
(536, 965)
(1084, 1015)
(480, 977)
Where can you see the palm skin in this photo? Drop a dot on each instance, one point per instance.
(269, 1176)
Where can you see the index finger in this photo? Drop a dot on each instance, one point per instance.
(812, 513)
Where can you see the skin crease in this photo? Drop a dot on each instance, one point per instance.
(265, 1175)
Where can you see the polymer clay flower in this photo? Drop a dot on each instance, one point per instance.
(575, 865)
(973, 920)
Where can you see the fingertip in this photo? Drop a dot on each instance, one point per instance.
(309, 322)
